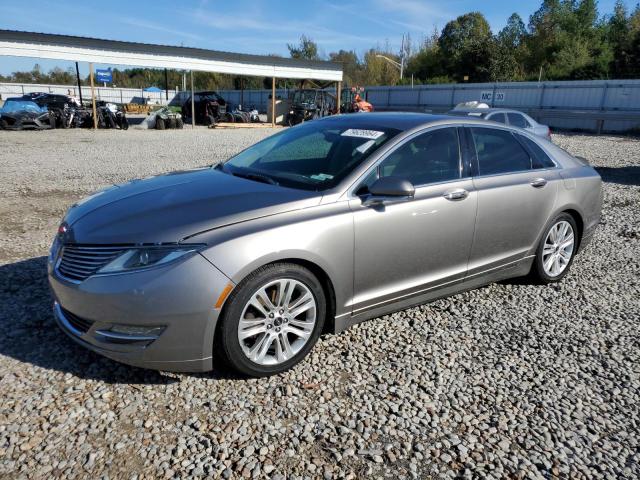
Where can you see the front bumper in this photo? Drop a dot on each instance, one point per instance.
(179, 297)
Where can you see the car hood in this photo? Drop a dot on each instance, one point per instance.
(168, 208)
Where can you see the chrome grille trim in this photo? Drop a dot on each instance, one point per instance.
(79, 262)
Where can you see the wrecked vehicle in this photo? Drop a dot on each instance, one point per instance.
(209, 108)
(309, 104)
(111, 115)
(167, 118)
(351, 101)
(21, 114)
(162, 119)
(64, 107)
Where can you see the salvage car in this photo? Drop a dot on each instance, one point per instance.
(210, 108)
(23, 114)
(505, 116)
(314, 229)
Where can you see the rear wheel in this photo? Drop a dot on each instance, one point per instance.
(179, 123)
(160, 123)
(556, 250)
(272, 320)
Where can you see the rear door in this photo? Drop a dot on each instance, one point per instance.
(515, 199)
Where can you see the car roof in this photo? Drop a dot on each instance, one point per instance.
(484, 110)
(399, 120)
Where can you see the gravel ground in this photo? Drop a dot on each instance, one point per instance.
(511, 380)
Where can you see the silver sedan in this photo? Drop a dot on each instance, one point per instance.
(314, 229)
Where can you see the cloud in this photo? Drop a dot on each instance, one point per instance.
(135, 22)
(413, 14)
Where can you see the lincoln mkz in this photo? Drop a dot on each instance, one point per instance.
(312, 230)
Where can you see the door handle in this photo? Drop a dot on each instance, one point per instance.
(456, 194)
(538, 182)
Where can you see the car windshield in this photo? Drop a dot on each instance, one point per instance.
(312, 156)
(12, 106)
(304, 96)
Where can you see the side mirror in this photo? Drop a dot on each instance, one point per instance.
(389, 190)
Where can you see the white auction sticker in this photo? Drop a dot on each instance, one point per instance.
(357, 132)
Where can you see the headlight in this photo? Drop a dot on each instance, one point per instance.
(145, 257)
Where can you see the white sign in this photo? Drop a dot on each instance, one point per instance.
(360, 133)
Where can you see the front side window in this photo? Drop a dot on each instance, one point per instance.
(431, 157)
(499, 152)
(312, 156)
(517, 120)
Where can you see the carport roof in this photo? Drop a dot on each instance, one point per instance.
(115, 52)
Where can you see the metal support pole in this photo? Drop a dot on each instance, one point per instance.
(193, 104)
(93, 98)
(338, 96)
(273, 101)
(166, 85)
(79, 84)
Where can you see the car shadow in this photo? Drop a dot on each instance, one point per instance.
(622, 175)
(29, 334)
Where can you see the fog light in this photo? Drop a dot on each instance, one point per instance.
(137, 330)
(133, 334)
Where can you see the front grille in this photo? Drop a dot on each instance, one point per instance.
(81, 324)
(78, 262)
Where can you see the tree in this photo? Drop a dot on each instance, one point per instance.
(466, 47)
(352, 68)
(427, 64)
(377, 71)
(306, 49)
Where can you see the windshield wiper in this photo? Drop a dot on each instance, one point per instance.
(255, 176)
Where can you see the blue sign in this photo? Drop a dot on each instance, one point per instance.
(104, 76)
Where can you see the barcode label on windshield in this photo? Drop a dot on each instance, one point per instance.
(357, 132)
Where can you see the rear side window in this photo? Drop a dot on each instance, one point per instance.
(518, 120)
(498, 117)
(539, 158)
(499, 152)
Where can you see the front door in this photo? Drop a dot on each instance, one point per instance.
(410, 247)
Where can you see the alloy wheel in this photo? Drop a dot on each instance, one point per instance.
(558, 248)
(277, 321)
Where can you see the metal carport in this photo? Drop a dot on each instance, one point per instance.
(115, 52)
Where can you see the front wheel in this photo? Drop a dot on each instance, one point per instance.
(272, 320)
(556, 250)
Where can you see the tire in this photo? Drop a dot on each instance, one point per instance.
(179, 123)
(545, 269)
(228, 117)
(172, 122)
(236, 353)
(160, 124)
(125, 123)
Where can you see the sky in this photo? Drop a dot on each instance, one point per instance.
(259, 27)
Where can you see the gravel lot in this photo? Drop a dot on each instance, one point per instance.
(511, 380)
